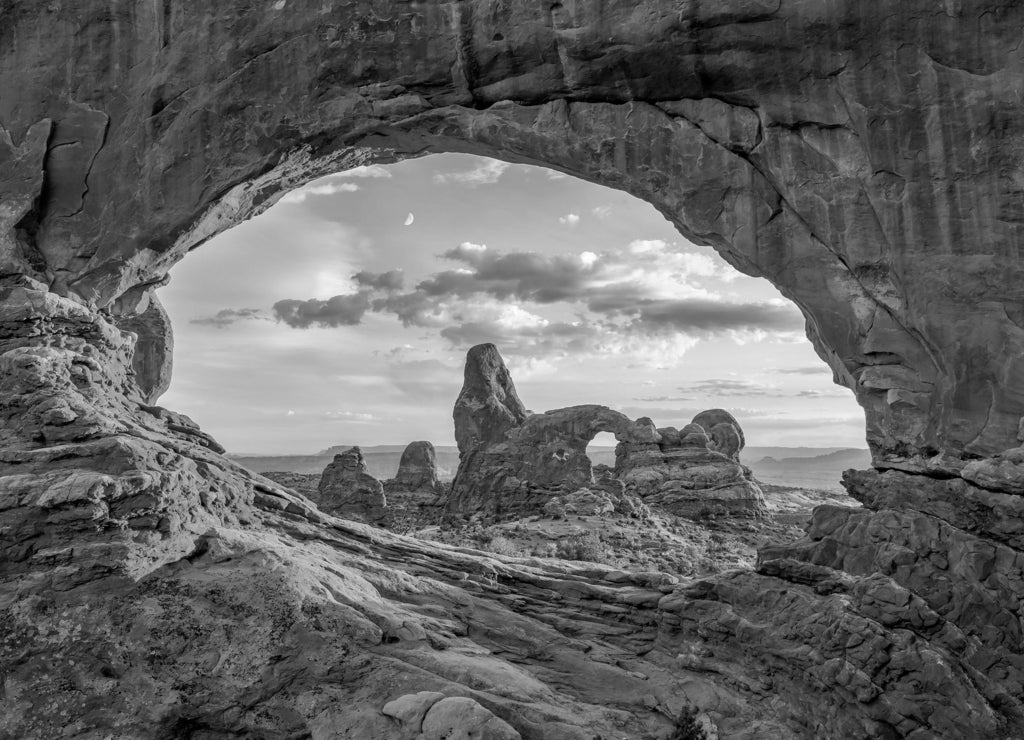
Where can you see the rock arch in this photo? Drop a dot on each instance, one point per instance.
(866, 163)
(835, 174)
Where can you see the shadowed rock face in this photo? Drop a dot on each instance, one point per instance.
(518, 468)
(347, 490)
(865, 159)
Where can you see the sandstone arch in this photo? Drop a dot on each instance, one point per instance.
(787, 162)
(866, 161)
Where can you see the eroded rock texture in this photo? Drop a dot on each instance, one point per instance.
(516, 468)
(864, 157)
(348, 491)
(694, 471)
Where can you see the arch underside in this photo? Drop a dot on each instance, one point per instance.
(868, 166)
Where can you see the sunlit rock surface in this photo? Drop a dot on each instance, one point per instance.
(865, 159)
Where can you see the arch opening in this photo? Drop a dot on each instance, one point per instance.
(351, 337)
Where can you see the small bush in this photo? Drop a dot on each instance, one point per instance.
(502, 546)
(687, 726)
(582, 546)
(544, 550)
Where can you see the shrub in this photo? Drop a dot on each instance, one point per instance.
(687, 726)
(583, 546)
(502, 546)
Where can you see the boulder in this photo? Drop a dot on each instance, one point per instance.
(410, 709)
(461, 718)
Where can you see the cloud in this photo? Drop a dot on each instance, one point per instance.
(569, 219)
(341, 310)
(646, 295)
(487, 172)
(366, 170)
(602, 212)
(718, 387)
(390, 280)
(821, 369)
(702, 315)
(321, 189)
(679, 416)
(729, 388)
(227, 316)
(353, 417)
(664, 399)
(836, 392)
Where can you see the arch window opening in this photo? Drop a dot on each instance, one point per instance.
(341, 316)
(601, 449)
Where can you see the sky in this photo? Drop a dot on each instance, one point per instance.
(342, 314)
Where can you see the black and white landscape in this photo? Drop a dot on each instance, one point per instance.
(665, 359)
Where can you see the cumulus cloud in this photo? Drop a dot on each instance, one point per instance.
(646, 297)
(341, 310)
(227, 316)
(703, 315)
(486, 172)
(569, 219)
(390, 280)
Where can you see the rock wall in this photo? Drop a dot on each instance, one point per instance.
(863, 157)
